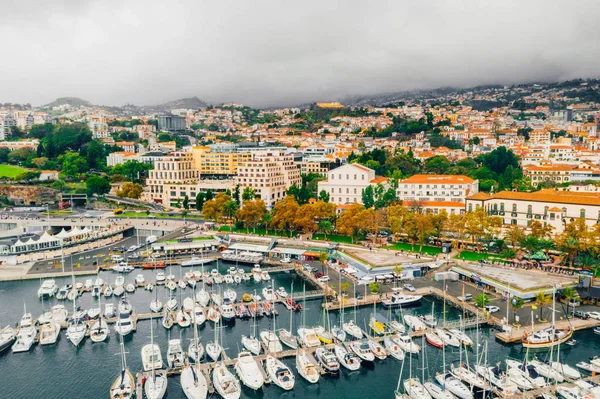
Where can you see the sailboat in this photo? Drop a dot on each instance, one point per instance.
(192, 380)
(156, 385)
(124, 385)
(548, 337)
(213, 348)
(350, 327)
(307, 336)
(248, 370)
(226, 384)
(270, 339)
(156, 305)
(251, 342)
(497, 379)
(279, 373)
(77, 328)
(286, 336)
(306, 368)
(412, 386)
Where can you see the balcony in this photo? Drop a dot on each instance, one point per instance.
(529, 216)
(513, 214)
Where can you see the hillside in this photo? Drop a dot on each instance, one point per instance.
(73, 101)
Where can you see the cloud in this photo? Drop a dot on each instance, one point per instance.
(268, 53)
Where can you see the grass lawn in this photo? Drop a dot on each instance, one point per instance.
(142, 215)
(259, 230)
(11, 170)
(476, 256)
(427, 249)
(333, 238)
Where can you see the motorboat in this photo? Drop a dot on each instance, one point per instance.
(399, 298)
(429, 320)
(108, 291)
(99, 330)
(151, 357)
(352, 329)
(160, 278)
(195, 350)
(130, 288)
(156, 306)
(566, 370)
(572, 392)
(225, 383)
(183, 319)
(279, 373)
(447, 338)
(202, 297)
(175, 357)
(308, 338)
(59, 314)
(49, 333)
(545, 370)
(171, 285)
(122, 268)
(251, 344)
(347, 359)
(214, 350)
(182, 284)
(8, 335)
(268, 294)
(377, 349)
(230, 295)
(156, 385)
(140, 280)
(469, 377)
(362, 350)
(188, 305)
(517, 368)
(378, 324)
(306, 368)
(502, 382)
(582, 365)
(433, 339)
(213, 315)
(415, 323)
(94, 313)
(460, 336)
(172, 304)
(288, 339)
(454, 385)
(405, 342)
(48, 289)
(393, 348)
(327, 360)
(73, 294)
(256, 274)
(265, 276)
(270, 340)
(109, 310)
(227, 311)
(119, 290)
(45, 317)
(97, 291)
(519, 379)
(281, 293)
(63, 291)
(415, 390)
(124, 324)
(248, 370)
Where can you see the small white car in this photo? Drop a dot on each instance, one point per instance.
(594, 315)
(410, 287)
(465, 298)
(286, 260)
(492, 309)
(324, 279)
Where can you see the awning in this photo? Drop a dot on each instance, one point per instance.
(288, 251)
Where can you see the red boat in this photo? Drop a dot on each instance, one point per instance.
(160, 265)
(290, 304)
(433, 339)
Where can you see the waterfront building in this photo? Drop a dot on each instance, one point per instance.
(175, 168)
(345, 185)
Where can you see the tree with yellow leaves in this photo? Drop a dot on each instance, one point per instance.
(349, 222)
(284, 214)
(215, 208)
(252, 213)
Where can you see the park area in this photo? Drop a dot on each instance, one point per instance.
(11, 171)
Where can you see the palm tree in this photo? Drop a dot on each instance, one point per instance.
(325, 226)
(345, 286)
(323, 258)
(481, 300)
(542, 299)
(516, 303)
(569, 293)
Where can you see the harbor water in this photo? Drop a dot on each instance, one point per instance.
(62, 370)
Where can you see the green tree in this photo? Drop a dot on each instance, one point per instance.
(248, 194)
(325, 226)
(516, 303)
(542, 299)
(482, 300)
(209, 195)
(374, 288)
(324, 196)
(438, 164)
(200, 198)
(97, 185)
(72, 164)
(4, 152)
(569, 294)
(368, 198)
(41, 131)
(186, 202)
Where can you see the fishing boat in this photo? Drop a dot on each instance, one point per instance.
(124, 385)
(175, 357)
(249, 371)
(306, 368)
(362, 350)
(327, 360)
(347, 359)
(279, 373)
(225, 383)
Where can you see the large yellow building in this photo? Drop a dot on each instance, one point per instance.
(216, 163)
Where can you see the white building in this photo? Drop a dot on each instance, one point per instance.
(270, 173)
(345, 185)
(556, 208)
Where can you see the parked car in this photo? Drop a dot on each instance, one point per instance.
(465, 298)
(324, 279)
(594, 315)
(410, 287)
(319, 275)
(286, 260)
(582, 315)
(492, 308)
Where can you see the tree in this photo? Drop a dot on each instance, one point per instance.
(374, 288)
(252, 213)
(569, 294)
(284, 214)
(345, 286)
(349, 222)
(438, 164)
(186, 202)
(21, 155)
(72, 164)
(482, 300)
(209, 195)
(514, 235)
(542, 299)
(324, 196)
(130, 190)
(214, 209)
(230, 209)
(97, 185)
(4, 152)
(368, 197)
(133, 170)
(248, 194)
(516, 303)
(200, 197)
(323, 257)
(325, 226)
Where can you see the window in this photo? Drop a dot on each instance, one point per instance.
(514, 207)
(529, 209)
(582, 213)
(340, 190)
(470, 207)
(564, 212)
(332, 190)
(355, 191)
(347, 190)
(546, 211)
(363, 177)
(355, 177)
(502, 207)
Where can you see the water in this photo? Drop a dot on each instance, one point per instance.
(88, 371)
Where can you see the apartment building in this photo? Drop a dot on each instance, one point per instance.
(6, 122)
(346, 184)
(174, 194)
(320, 167)
(548, 172)
(173, 169)
(270, 173)
(549, 206)
(218, 162)
(435, 193)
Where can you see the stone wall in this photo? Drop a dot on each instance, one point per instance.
(29, 195)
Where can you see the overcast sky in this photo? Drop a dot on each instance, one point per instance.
(269, 53)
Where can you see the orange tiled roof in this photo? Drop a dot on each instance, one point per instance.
(443, 204)
(379, 179)
(480, 196)
(549, 195)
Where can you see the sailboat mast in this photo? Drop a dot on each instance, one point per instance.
(291, 308)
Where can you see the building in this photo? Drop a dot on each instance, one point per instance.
(174, 194)
(175, 168)
(548, 172)
(6, 123)
(345, 185)
(320, 167)
(171, 123)
(549, 206)
(270, 173)
(437, 188)
(215, 161)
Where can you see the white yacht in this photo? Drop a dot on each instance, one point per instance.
(203, 297)
(49, 333)
(279, 373)
(447, 338)
(288, 338)
(225, 383)
(270, 340)
(398, 298)
(109, 310)
(566, 370)
(306, 368)
(347, 359)
(460, 336)
(416, 390)
(175, 358)
(546, 371)
(124, 324)
(268, 294)
(59, 314)
(405, 342)
(327, 360)
(48, 289)
(437, 391)
(156, 385)
(183, 319)
(362, 350)
(469, 377)
(377, 350)
(308, 338)
(455, 386)
(99, 330)
(397, 326)
(352, 329)
(251, 344)
(227, 311)
(393, 348)
(248, 370)
(414, 323)
(214, 350)
(63, 292)
(199, 317)
(156, 306)
(193, 382)
(77, 329)
(151, 357)
(195, 350)
(504, 384)
(8, 335)
(124, 385)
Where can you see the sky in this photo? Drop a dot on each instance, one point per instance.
(278, 53)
